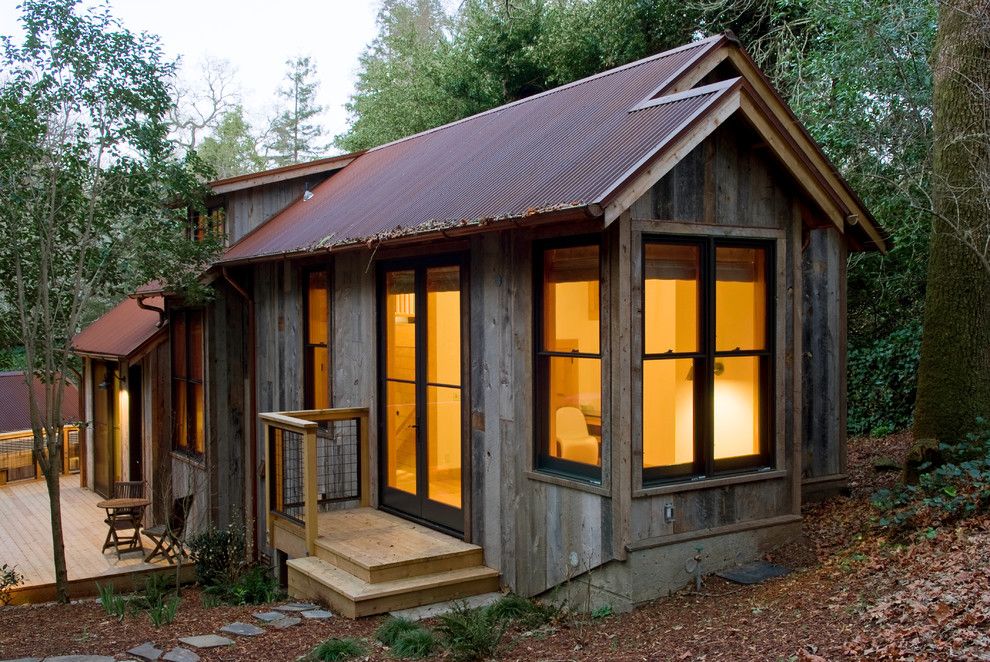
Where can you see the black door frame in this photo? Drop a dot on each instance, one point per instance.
(419, 507)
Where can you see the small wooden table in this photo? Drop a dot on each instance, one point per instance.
(123, 515)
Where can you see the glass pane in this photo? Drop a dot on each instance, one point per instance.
(443, 445)
(737, 406)
(571, 300)
(575, 409)
(316, 303)
(668, 412)
(740, 298)
(443, 310)
(673, 280)
(195, 347)
(198, 421)
(319, 360)
(180, 400)
(179, 345)
(400, 325)
(400, 424)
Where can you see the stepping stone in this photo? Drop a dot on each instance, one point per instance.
(286, 622)
(318, 614)
(79, 658)
(206, 641)
(25, 659)
(180, 654)
(298, 606)
(753, 573)
(269, 616)
(242, 629)
(447, 606)
(146, 651)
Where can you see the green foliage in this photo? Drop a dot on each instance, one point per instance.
(414, 644)
(394, 627)
(164, 612)
(471, 634)
(256, 584)
(530, 613)
(334, 650)
(9, 580)
(882, 376)
(232, 149)
(956, 489)
(154, 593)
(602, 612)
(218, 554)
(113, 604)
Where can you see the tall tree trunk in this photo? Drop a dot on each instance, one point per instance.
(954, 374)
(52, 475)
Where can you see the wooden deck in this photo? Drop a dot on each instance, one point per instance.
(369, 562)
(26, 540)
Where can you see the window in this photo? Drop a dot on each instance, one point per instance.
(569, 360)
(707, 357)
(204, 224)
(187, 381)
(316, 334)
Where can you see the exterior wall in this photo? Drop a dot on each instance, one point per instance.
(249, 208)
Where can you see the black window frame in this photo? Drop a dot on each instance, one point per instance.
(212, 221)
(542, 460)
(189, 449)
(706, 359)
(309, 372)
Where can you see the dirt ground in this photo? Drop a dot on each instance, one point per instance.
(854, 595)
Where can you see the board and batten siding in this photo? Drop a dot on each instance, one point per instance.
(249, 208)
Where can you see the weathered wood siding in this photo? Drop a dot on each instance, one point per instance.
(824, 407)
(249, 208)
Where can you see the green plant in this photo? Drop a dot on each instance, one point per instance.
(393, 628)
(9, 579)
(164, 612)
(882, 380)
(602, 612)
(156, 588)
(333, 650)
(113, 604)
(471, 634)
(414, 644)
(530, 613)
(959, 487)
(218, 554)
(251, 585)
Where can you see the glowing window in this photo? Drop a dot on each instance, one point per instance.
(316, 351)
(189, 432)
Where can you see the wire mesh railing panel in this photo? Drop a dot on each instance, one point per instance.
(16, 459)
(338, 461)
(286, 487)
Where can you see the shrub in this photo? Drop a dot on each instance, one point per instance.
(164, 612)
(394, 627)
(333, 650)
(957, 488)
(882, 377)
(113, 604)
(9, 580)
(414, 644)
(256, 585)
(530, 613)
(218, 554)
(471, 634)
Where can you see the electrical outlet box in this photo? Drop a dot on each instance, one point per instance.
(668, 512)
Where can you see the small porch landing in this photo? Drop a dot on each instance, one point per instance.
(369, 562)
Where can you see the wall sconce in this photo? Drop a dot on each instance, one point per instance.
(108, 375)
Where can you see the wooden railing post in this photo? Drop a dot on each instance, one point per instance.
(311, 506)
(269, 475)
(364, 459)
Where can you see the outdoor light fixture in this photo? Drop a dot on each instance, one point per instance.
(107, 376)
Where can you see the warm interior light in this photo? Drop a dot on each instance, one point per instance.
(737, 408)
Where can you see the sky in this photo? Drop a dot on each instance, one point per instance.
(256, 38)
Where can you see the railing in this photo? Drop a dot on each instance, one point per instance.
(17, 457)
(314, 459)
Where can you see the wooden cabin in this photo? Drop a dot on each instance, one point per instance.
(573, 345)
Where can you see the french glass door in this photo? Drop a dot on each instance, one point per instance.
(422, 414)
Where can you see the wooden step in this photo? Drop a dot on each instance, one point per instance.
(312, 578)
(378, 547)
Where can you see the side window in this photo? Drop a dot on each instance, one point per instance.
(187, 382)
(316, 337)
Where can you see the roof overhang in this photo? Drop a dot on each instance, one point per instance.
(285, 173)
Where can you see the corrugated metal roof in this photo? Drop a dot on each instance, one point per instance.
(120, 331)
(563, 148)
(15, 414)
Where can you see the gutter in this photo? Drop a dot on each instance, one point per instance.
(252, 413)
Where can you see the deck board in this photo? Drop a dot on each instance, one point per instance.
(26, 540)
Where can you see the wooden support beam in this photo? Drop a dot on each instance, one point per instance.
(311, 506)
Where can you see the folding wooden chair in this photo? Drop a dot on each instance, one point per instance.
(124, 524)
(168, 537)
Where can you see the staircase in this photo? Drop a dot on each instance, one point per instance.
(369, 562)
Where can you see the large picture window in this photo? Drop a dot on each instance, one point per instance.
(316, 371)
(569, 360)
(707, 357)
(187, 381)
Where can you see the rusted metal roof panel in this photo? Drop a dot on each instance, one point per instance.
(15, 412)
(121, 331)
(563, 148)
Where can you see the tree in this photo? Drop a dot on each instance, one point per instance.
(954, 374)
(200, 107)
(232, 149)
(91, 195)
(293, 134)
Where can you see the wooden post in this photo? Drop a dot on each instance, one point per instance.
(269, 520)
(365, 460)
(311, 511)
